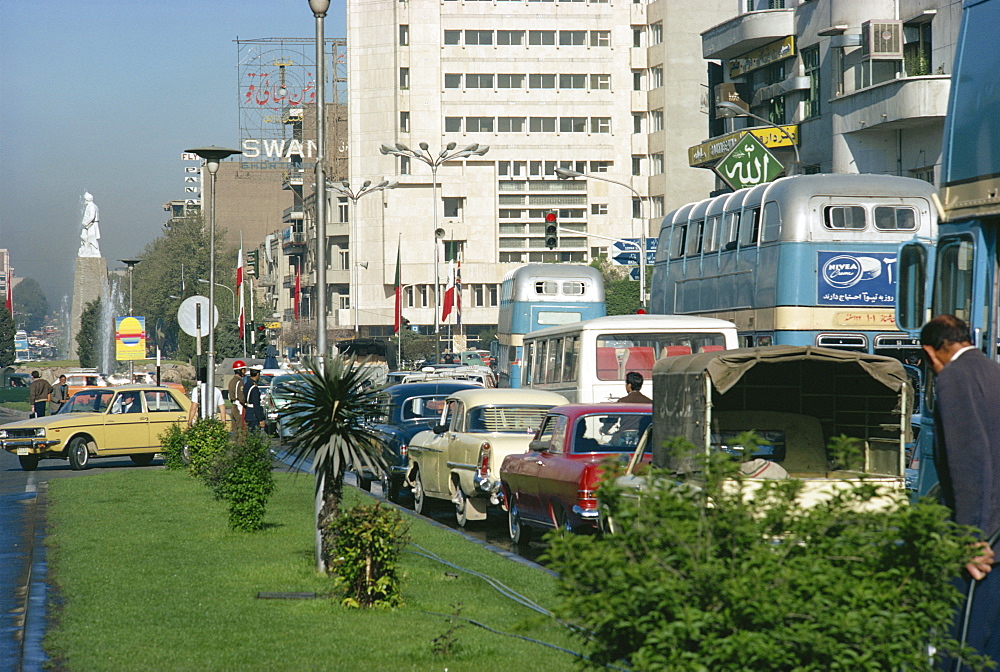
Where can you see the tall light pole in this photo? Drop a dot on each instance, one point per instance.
(567, 174)
(344, 189)
(212, 156)
(319, 9)
(130, 264)
(225, 287)
(735, 110)
(424, 154)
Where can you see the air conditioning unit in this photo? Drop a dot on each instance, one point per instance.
(882, 40)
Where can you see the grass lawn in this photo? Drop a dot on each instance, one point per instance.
(149, 577)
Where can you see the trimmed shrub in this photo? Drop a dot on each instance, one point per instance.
(206, 441)
(246, 482)
(368, 541)
(173, 440)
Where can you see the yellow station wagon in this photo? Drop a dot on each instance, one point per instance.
(98, 422)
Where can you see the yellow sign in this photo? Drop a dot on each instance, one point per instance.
(272, 325)
(130, 338)
(717, 148)
(758, 58)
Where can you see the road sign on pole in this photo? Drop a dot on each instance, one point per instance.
(748, 164)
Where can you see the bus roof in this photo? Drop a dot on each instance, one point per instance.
(554, 271)
(639, 323)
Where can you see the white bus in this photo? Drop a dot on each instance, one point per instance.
(587, 361)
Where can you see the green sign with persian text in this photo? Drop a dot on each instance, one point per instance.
(748, 164)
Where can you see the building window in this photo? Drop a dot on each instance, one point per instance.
(810, 66)
(512, 38)
(542, 124)
(404, 35)
(423, 291)
(453, 249)
(656, 164)
(657, 205)
(479, 124)
(600, 124)
(637, 80)
(637, 36)
(343, 260)
(453, 124)
(636, 207)
(655, 121)
(478, 81)
(452, 80)
(510, 124)
(637, 123)
(600, 82)
(541, 81)
(408, 293)
(655, 78)
(510, 81)
(598, 208)
(600, 38)
(404, 122)
(453, 37)
(478, 37)
(572, 38)
(541, 37)
(572, 124)
(917, 49)
(572, 81)
(655, 33)
(600, 166)
(404, 78)
(345, 302)
(453, 206)
(343, 208)
(637, 165)
(404, 165)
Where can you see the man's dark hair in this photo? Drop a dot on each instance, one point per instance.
(944, 329)
(202, 374)
(634, 380)
(35, 374)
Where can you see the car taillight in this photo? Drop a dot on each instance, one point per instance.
(484, 459)
(586, 495)
(402, 451)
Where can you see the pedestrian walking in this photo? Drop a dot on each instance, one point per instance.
(59, 395)
(38, 394)
(967, 458)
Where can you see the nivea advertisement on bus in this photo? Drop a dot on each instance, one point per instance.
(856, 279)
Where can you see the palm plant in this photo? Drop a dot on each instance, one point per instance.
(326, 413)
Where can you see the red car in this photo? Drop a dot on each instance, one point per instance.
(553, 485)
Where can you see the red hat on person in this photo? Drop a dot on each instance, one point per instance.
(239, 364)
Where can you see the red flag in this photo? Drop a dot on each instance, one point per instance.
(239, 290)
(10, 294)
(449, 293)
(398, 318)
(298, 288)
(458, 294)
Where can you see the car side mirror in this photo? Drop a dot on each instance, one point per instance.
(538, 446)
(440, 429)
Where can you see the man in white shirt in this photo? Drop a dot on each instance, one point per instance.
(199, 393)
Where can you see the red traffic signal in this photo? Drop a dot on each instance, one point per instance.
(551, 230)
(550, 217)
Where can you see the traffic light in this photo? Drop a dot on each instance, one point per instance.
(551, 229)
(253, 259)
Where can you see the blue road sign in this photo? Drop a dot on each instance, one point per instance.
(633, 274)
(626, 258)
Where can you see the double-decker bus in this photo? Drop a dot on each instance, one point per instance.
(959, 271)
(535, 296)
(803, 260)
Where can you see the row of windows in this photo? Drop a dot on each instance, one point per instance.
(477, 295)
(548, 168)
(529, 124)
(518, 38)
(597, 82)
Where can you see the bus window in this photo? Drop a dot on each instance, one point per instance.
(844, 217)
(553, 361)
(573, 288)
(953, 284)
(731, 231)
(711, 236)
(890, 218)
(912, 268)
(750, 227)
(550, 317)
(677, 244)
(571, 356)
(546, 287)
(772, 222)
(695, 237)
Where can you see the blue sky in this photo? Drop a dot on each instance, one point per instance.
(102, 96)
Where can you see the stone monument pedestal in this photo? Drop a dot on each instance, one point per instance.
(90, 282)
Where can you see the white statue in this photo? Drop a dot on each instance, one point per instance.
(91, 231)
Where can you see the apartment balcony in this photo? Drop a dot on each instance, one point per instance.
(308, 279)
(640, 144)
(292, 214)
(638, 59)
(293, 242)
(640, 101)
(293, 179)
(747, 32)
(907, 102)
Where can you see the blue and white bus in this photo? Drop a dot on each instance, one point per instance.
(959, 271)
(804, 260)
(535, 296)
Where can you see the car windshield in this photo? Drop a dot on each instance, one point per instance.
(609, 432)
(88, 401)
(421, 408)
(506, 419)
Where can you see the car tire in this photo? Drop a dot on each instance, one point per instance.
(461, 506)
(363, 482)
(79, 456)
(419, 496)
(560, 519)
(142, 459)
(520, 535)
(390, 488)
(28, 462)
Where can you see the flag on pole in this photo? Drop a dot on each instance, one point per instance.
(9, 301)
(239, 291)
(458, 294)
(449, 293)
(298, 289)
(398, 314)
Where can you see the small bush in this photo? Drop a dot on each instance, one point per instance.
(173, 440)
(207, 441)
(368, 541)
(246, 481)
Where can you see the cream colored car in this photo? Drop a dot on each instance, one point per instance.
(459, 459)
(98, 422)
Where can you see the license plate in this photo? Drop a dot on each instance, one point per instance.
(23, 450)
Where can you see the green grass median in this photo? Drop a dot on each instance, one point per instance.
(149, 577)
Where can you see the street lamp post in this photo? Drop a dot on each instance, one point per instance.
(212, 155)
(344, 189)
(130, 264)
(567, 174)
(225, 287)
(319, 9)
(737, 111)
(424, 154)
